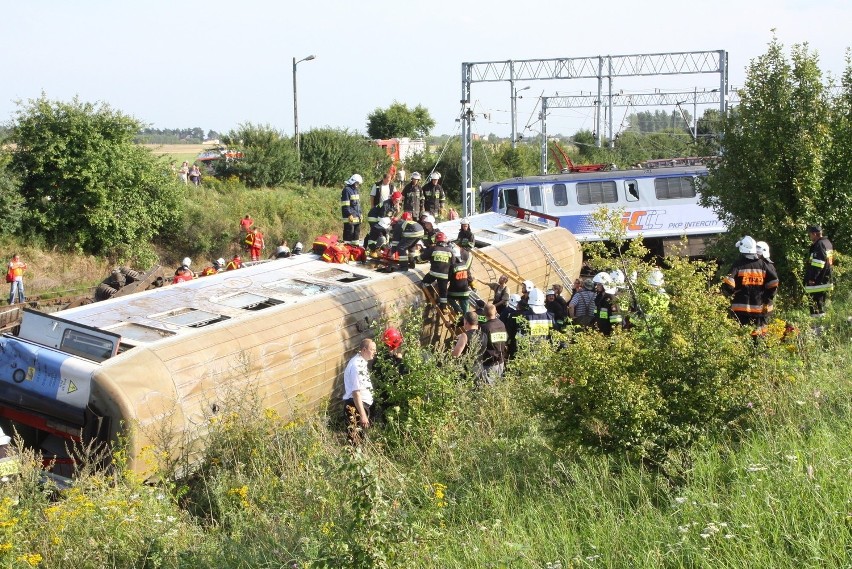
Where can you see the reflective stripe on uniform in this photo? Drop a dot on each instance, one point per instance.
(811, 289)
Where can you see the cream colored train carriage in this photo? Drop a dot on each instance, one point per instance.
(166, 360)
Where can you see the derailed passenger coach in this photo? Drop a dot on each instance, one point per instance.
(661, 204)
(167, 361)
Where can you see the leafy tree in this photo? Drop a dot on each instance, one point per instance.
(836, 202)
(330, 156)
(85, 183)
(269, 158)
(11, 201)
(768, 183)
(398, 121)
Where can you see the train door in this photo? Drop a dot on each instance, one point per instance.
(536, 201)
(507, 197)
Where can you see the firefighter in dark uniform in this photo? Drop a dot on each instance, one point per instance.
(751, 283)
(378, 237)
(412, 197)
(818, 267)
(539, 321)
(439, 257)
(461, 279)
(496, 351)
(410, 232)
(558, 309)
(465, 237)
(434, 198)
(607, 314)
(427, 220)
(350, 209)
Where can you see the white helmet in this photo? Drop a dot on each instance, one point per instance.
(385, 223)
(536, 301)
(514, 300)
(763, 250)
(529, 285)
(655, 278)
(435, 176)
(747, 246)
(220, 262)
(465, 221)
(427, 218)
(186, 262)
(415, 175)
(298, 248)
(605, 280)
(617, 276)
(355, 179)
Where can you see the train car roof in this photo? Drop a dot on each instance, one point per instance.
(152, 315)
(601, 175)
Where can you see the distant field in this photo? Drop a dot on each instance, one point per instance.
(179, 152)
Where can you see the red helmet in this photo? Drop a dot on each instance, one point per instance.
(392, 338)
(407, 216)
(441, 237)
(396, 196)
(237, 258)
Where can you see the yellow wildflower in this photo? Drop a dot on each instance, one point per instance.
(32, 559)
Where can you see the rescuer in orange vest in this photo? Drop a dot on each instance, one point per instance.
(256, 244)
(15, 277)
(235, 263)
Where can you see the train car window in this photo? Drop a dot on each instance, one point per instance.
(338, 275)
(189, 317)
(674, 188)
(247, 301)
(139, 332)
(560, 195)
(508, 197)
(631, 190)
(535, 196)
(86, 346)
(604, 191)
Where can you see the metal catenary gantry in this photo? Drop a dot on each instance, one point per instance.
(600, 67)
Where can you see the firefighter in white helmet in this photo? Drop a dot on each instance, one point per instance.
(465, 237)
(434, 197)
(350, 209)
(412, 196)
(751, 283)
(606, 304)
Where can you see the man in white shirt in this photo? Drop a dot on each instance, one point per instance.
(382, 190)
(358, 391)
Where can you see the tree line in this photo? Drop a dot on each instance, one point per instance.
(193, 135)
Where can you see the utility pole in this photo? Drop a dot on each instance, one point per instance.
(296, 107)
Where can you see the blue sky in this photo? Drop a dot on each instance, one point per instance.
(216, 64)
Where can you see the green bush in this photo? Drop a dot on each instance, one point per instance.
(269, 158)
(87, 185)
(11, 201)
(419, 403)
(330, 156)
(656, 389)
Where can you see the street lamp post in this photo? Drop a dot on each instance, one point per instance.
(515, 98)
(296, 107)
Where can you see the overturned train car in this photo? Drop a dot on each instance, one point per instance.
(164, 361)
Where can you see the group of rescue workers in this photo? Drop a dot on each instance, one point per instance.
(403, 231)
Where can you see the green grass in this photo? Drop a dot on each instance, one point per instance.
(487, 491)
